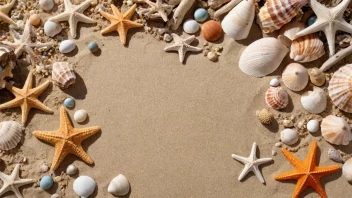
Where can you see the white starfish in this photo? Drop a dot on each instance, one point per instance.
(251, 163)
(73, 14)
(13, 182)
(329, 21)
(156, 10)
(4, 11)
(182, 46)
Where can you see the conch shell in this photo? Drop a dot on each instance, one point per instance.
(276, 98)
(10, 135)
(336, 130)
(63, 75)
(7, 63)
(314, 101)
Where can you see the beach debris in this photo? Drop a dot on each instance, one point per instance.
(67, 140)
(44, 168)
(287, 123)
(46, 182)
(51, 28)
(167, 38)
(156, 10)
(55, 196)
(264, 116)
(336, 130)
(7, 63)
(69, 102)
(13, 182)
(67, 46)
(216, 3)
(34, 19)
(63, 75)
(347, 170)
(317, 77)
(120, 22)
(93, 47)
(212, 56)
(312, 20)
(211, 30)
(313, 126)
(46, 5)
(314, 101)
(179, 14)
(252, 163)
(190, 26)
(340, 55)
(274, 82)
(201, 15)
(335, 155)
(84, 186)
(295, 77)
(276, 98)
(80, 115)
(10, 135)
(119, 186)
(71, 169)
(289, 136)
(182, 46)
(4, 11)
(226, 8)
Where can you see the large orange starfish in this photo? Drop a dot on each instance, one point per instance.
(306, 172)
(67, 140)
(120, 22)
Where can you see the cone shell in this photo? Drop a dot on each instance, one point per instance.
(317, 77)
(63, 74)
(276, 98)
(314, 101)
(347, 170)
(7, 63)
(336, 130)
(262, 57)
(264, 116)
(307, 48)
(10, 135)
(295, 77)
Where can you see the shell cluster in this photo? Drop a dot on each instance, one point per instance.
(63, 74)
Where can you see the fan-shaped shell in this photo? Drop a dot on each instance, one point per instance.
(291, 29)
(276, 98)
(336, 130)
(262, 57)
(10, 135)
(63, 74)
(314, 101)
(295, 77)
(307, 48)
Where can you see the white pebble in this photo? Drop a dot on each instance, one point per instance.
(190, 26)
(289, 136)
(67, 46)
(51, 28)
(71, 169)
(46, 5)
(167, 38)
(313, 126)
(44, 168)
(212, 56)
(80, 115)
(274, 82)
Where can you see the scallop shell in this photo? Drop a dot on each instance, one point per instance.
(119, 186)
(307, 48)
(262, 57)
(336, 130)
(347, 170)
(276, 98)
(63, 74)
(264, 116)
(10, 135)
(291, 29)
(7, 63)
(317, 77)
(340, 88)
(295, 77)
(335, 155)
(84, 186)
(289, 136)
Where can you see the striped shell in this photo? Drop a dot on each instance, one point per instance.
(276, 98)
(307, 48)
(340, 88)
(295, 77)
(336, 130)
(291, 29)
(63, 74)
(276, 13)
(10, 135)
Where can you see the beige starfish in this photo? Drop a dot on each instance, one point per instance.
(4, 11)
(27, 98)
(156, 10)
(182, 46)
(73, 14)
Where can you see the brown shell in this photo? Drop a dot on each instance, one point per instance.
(63, 74)
(276, 98)
(264, 116)
(211, 30)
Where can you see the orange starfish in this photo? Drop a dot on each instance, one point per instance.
(67, 140)
(120, 22)
(306, 172)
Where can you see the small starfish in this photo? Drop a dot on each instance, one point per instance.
(156, 10)
(182, 46)
(120, 22)
(73, 14)
(306, 172)
(4, 11)
(329, 21)
(27, 98)
(67, 140)
(251, 163)
(13, 182)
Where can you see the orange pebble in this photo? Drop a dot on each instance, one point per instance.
(211, 30)
(34, 19)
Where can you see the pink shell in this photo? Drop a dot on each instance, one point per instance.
(276, 98)
(63, 74)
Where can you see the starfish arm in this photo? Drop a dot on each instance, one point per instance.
(12, 45)
(322, 171)
(107, 15)
(300, 186)
(110, 28)
(132, 24)
(319, 9)
(79, 152)
(83, 6)
(40, 89)
(130, 12)
(40, 45)
(39, 105)
(330, 34)
(25, 108)
(48, 136)
(116, 11)
(23, 182)
(241, 159)
(163, 15)
(83, 18)
(253, 154)
(15, 172)
(293, 159)
(317, 26)
(73, 26)
(6, 19)
(258, 174)
(61, 151)
(178, 39)
(81, 134)
(311, 159)
(194, 49)
(7, 7)
(171, 48)
(16, 192)
(263, 160)
(122, 30)
(68, 4)
(340, 8)
(60, 17)
(4, 189)
(288, 175)
(182, 53)
(190, 39)
(29, 82)
(344, 26)
(3, 176)
(11, 104)
(32, 56)
(244, 172)
(65, 123)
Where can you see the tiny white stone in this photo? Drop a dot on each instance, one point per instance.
(44, 168)
(46, 5)
(51, 28)
(80, 115)
(274, 82)
(289, 136)
(71, 169)
(313, 126)
(190, 26)
(67, 46)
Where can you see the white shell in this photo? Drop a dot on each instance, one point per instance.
(262, 57)
(84, 186)
(119, 186)
(238, 22)
(80, 115)
(313, 126)
(10, 135)
(314, 101)
(71, 169)
(46, 5)
(44, 168)
(67, 46)
(289, 136)
(274, 82)
(291, 29)
(336, 130)
(295, 77)
(51, 28)
(347, 170)
(190, 26)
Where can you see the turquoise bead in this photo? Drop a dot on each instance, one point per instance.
(311, 20)
(93, 46)
(46, 182)
(200, 15)
(69, 102)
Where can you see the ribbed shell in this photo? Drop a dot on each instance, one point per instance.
(340, 88)
(10, 135)
(307, 48)
(295, 77)
(262, 57)
(314, 101)
(276, 98)
(63, 74)
(336, 130)
(291, 29)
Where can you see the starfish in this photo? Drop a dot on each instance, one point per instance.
(306, 172)
(13, 182)
(156, 10)
(329, 21)
(73, 14)
(182, 46)
(251, 163)
(67, 140)
(120, 22)
(4, 11)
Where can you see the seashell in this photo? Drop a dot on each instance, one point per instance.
(317, 77)
(7, 63)
(71, 169)
(51, 28)
(69, 102)
(67, 46)
(262, 57)
(336, 130)
(201, 15)
(46, 182)
(314, 101)
(190, 26)
(10, 135)
(335, 155)
(307, 48)
(291, 29)
(289, 136)
(211, 30)
(340, 88)
(274, 82)
(80, 115)
(276, 13)
(313, 126)
(119, 186)
(264, 116)
(287, 123)
(34, 19)
(84, 186)
(295, 77)
(238, 22)
(347, 170)
(44, 168)
(93, 47)
(63, 75)
(46, 5)
(276, 98)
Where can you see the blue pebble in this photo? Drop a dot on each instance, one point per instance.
(311, 20)
(46, 182)
(69, 102)
(200, 15)
(93, 46)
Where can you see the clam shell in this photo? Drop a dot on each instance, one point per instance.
(63, 74)
(276, 98)
(289, 136)
(317, 77)
(347, 170)
(262, 57)
(307, 48)
(295, 77)
(291, 29)
(84, 186)
(51, 28)
(211, 30)
(264, 116)
(336, 130)
(119, 186)
(314, 101)
(10, 135)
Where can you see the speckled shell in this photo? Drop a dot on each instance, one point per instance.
(336, 130)
(262, 57)
(335, 155)
(10, 135)
(7, 63)
(307, 48)
(317, 77)
(314, 101)
(264, 116)
(63, 74)
(291, 29)
(295, 77)
(340, 88)
(276, 98)
(347, 170)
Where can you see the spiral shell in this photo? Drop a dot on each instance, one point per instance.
(314, 101)
(63, 74)
(307, 48)
(10, 135)
(264, 116)
(336, 130)
(317, 77)
(295, 77)
(276, 98)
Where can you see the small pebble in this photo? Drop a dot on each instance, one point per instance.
(46, 5)
(67, 46)
(190, 26)
(311, 20)
(274, 82)
(313, 126)
(287, 123)
(58, 179)
(46, 182)
(201, 15)
(44, 168)
(273, 153)
(212, 56)
(129, 2)
(69, 102)
(80, 115)
(71, 169)
(34, 19)
(278, 144)
(167, 38)
(51, 28)
(93, 47)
